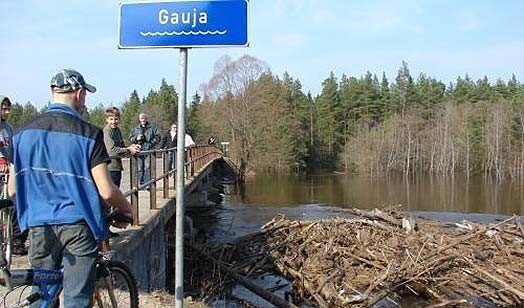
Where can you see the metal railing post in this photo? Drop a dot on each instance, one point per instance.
(192, 163)
(152, 186)
(133, 163)
(165, 180)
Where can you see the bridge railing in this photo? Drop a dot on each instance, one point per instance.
(196, 157)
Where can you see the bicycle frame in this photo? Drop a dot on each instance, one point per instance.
(5, 219)
(48, 282)
(102, 261)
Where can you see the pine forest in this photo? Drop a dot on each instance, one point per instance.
(369, 124)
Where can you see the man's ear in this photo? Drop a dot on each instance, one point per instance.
(77, 94)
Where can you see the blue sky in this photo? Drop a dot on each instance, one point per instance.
(307, 38)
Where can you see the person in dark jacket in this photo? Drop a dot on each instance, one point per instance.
(6, 137)
(169, 141)
(147, 137)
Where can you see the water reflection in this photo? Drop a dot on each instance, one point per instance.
(422, 193)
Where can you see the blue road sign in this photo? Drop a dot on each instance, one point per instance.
(183, 24)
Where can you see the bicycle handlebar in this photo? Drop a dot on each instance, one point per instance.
(116, 217)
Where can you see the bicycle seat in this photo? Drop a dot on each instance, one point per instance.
(5, 203)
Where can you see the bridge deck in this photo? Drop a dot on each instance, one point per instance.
(145, 213)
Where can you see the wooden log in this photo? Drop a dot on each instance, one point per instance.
(307, 285)
(423, 288)
(378, 214)
(470, 236)
(498, 242)
(501, 282)
(429, 267)
(324, 291)
(448, 303)
(270, 297)
(519, 281)
(375, 223)
(365, 261)
(497, 290)
(510, 232)
(519, 225)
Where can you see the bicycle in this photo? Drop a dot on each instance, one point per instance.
(6, 225)
(115, 285)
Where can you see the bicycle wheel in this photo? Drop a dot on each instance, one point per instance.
(7, 235)
(115, 286)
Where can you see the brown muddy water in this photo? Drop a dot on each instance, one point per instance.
(423, 193)
(244, 208)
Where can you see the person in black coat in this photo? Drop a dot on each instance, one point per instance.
(169, 140)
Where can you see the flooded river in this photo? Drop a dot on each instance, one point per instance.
(245, 208)
(462, 195)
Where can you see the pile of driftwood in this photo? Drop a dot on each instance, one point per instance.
(377, 256)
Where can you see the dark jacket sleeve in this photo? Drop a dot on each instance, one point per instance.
(163, 141)
(132, 135)
(155, 137)
(111, 146)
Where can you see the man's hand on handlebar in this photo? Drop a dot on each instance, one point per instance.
(120, 220)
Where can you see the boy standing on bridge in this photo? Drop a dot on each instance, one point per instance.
(62, 185)
(115, 144)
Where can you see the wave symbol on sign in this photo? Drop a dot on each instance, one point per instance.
(216, 32)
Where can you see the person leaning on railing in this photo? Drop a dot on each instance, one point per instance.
(62, 187)
(115, 144)
(169, 141)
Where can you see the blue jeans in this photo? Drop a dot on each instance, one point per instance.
(170, 160)
(144, 164)
(73, 245)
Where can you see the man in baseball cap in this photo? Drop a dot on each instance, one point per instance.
(69, 80)
(61, 198)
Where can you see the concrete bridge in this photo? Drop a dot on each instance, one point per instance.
(143, 245)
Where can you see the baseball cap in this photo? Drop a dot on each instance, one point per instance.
(68, 80)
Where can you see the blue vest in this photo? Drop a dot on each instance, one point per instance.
(53, 157)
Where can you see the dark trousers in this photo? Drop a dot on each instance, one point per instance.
(116, 177)
(19, 238)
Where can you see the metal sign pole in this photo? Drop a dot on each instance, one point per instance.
(181, 129)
